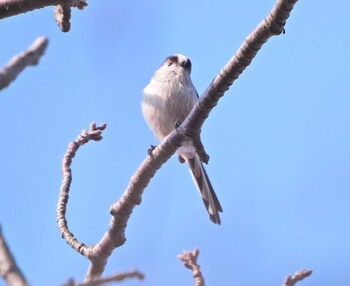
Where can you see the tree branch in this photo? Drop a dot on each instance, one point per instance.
(120, 211)
(114, 237)
(121, 276)
(189, 258)
(9, 270)
(18, 63)
(298, 276)
(10, 8)
(94, 133)
(273, 24)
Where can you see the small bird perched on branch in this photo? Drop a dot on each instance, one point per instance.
(167, 99)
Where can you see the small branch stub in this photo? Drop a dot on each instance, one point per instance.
(62, 13)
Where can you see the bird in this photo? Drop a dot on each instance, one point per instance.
(167, 100)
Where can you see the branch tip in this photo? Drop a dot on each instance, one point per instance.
(189, 258)
(298, 276)
(19, 62)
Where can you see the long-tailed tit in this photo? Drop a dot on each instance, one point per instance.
(167, 99)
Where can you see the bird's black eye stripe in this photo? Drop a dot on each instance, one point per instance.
(172, 60)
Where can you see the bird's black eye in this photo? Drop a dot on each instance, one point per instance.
(186, 64)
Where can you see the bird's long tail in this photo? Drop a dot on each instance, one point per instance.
(205, 188)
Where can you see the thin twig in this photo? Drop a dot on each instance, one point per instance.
(121, 276)
(18, 63)
(298, 276)
(94, 133)
(189, 258)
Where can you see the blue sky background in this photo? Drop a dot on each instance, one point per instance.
(278, 143)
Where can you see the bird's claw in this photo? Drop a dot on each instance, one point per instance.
(181, 159)
(177, 124)
(150, 151)
(204, 157)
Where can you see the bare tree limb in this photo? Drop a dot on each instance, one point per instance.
(189, 259)
(114, 237)
(273, 24)
(10, 8)
(298, 276)
(18, 63)
(9, 270)
(94, 133)
(62, 14)
(122, 209)
(121, 276)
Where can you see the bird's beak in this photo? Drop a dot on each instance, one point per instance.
(186, 64)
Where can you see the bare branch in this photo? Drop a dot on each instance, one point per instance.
(189, 259)
(298, 276)
(121, 210)
(9, 270)
(94, 133)
(62, 14)
(17, 64)
(10, 8)
(273, 24)
(121, 276)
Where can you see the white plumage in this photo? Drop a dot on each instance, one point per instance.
(168, 98)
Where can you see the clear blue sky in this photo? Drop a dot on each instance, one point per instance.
(279, 143)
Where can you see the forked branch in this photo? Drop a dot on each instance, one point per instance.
(189, 258)
(120, 211)
(114, 237)
(62, 13)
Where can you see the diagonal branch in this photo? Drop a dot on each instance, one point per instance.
(298, 276)
(18, 63)
(114, 237)
(9, 270)
(273, 24)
